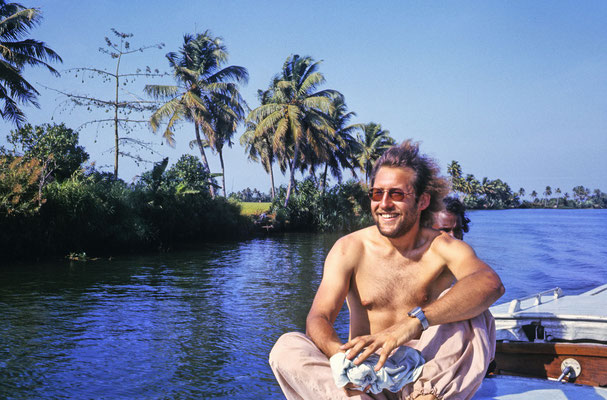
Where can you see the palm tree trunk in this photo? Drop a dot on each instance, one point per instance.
(270, 160)
(205, 162)
(272, 182)
(223, 172)
(323, 182)
(292, 179)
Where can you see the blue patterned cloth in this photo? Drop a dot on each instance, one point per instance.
(403, 366)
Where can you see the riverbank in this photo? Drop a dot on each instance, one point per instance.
(103, 217)
(93, 215)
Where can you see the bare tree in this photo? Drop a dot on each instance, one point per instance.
(125, 113)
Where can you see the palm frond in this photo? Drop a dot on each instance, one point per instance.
(230, 73)
(166, 111)
(310, 83)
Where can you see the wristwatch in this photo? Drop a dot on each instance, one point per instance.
(419, 314)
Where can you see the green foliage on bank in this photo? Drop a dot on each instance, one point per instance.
(91, 212)
(55, 146)
(497, 194)
(342, 208)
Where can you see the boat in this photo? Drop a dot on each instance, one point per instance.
(550, 346)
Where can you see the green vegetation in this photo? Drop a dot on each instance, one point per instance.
(296, 116)
(343, 208)
(47, 215)
(254, 209)
(496, 194)
(19, 187)
(54, 146)
(16, 54)
(205, 95)
(372, 143)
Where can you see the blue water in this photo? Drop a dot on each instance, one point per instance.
(533, 250)
(200, 324)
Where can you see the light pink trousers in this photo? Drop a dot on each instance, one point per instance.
(457, 356)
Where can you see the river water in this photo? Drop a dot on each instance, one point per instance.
(200, 324)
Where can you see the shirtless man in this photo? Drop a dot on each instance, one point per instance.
(452, 219)
(386, 271)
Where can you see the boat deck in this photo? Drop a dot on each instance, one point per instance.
(569, 318)
(501, 387)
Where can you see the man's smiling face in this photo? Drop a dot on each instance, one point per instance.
(395, 218)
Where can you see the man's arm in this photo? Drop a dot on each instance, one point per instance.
(477, 287)
(330, 298)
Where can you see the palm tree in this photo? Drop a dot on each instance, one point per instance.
(206, 93)
(296, 114)
(557, 191)
(547, 193)
(342, 146)
(15, 54)
(373, 142)
(225, 122)
(534, 196)
(471, 187)
(581, 193)
(521, 192)
(259, 148)
(489, 189)
(455, 172)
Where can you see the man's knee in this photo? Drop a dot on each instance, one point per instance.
(284, 349)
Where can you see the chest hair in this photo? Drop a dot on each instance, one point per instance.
(393, 284)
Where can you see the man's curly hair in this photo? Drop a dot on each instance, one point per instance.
(427, 179)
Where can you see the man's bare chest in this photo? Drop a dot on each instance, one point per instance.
(391, 284)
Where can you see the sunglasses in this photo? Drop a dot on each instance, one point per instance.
(394, 194)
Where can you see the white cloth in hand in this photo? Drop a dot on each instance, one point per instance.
(403, 366)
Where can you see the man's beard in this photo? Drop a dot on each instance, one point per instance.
(409, 220)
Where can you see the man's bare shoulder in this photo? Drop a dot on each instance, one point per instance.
(440, 243)
(353, 244)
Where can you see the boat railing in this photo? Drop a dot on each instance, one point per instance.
(515, 305)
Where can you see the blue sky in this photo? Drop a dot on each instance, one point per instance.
(512, 90)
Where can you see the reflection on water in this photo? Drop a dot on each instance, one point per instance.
(201, 324)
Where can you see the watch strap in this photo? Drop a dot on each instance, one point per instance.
(419, 314)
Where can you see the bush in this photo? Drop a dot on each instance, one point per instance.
(19, 186)
(99, 215)
(342, 208)
(54, 146)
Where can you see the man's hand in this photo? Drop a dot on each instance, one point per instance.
(387, 340)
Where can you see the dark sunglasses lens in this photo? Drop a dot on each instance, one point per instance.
(376, 194)
(396, 195)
